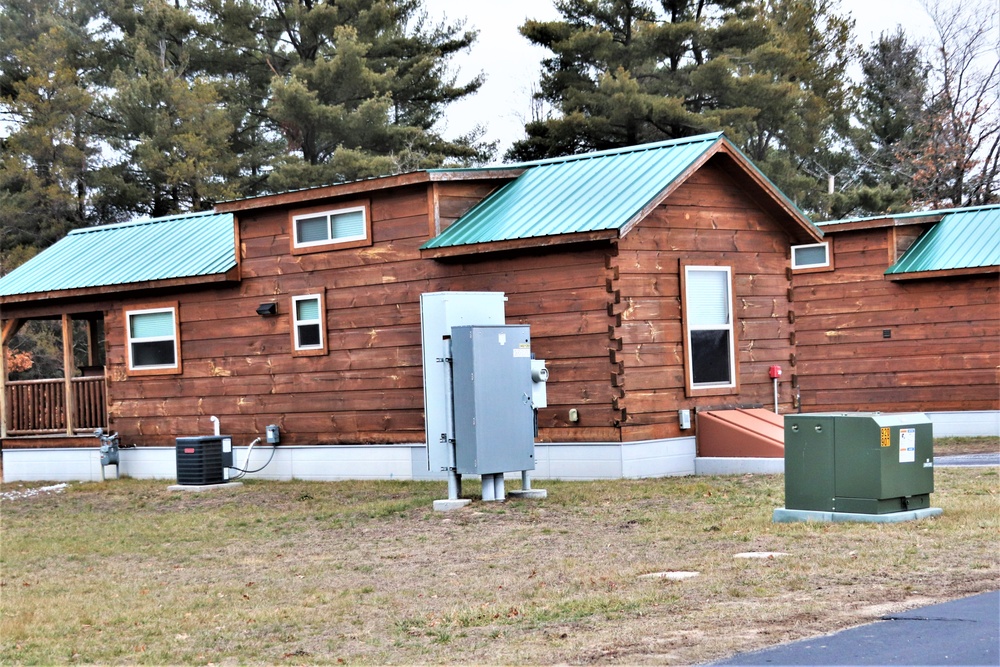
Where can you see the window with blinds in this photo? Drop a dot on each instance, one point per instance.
(344, 225)
(307, 328)
(152, 343)
(708, 320)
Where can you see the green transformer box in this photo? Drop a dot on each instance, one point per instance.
(858, 462)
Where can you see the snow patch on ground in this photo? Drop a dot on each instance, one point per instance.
(21, 494)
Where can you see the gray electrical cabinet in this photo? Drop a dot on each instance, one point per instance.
(439, 313)
(862, 462)
(494, 419)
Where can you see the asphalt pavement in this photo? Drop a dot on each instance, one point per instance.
(960, 632)
(966, 460)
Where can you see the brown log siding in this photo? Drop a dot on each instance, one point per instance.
(605, 316)
(368, 388)
(943, 352)
(708, 219)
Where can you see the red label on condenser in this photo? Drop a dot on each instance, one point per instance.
(189, 450)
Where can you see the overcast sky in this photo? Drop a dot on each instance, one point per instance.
(511, 64)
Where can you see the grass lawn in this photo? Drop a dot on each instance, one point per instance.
(127, 572)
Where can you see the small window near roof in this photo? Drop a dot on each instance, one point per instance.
(308, 328)
(811, 256)
(152, 340)
(336, 226)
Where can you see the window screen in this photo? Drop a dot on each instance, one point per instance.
(312, 230)
(335, 226)
(308, 323)
(348, 225)
(152, 339)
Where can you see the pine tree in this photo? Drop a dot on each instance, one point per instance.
(46, 102)
(165, 123)
(889, 105)
(358, 88)
(615, 77)
(770, 73)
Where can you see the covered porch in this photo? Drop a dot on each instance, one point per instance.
(59, 411)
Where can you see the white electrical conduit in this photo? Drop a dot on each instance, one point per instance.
(249, 452)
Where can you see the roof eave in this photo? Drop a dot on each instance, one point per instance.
(518, 244)
(943, 273)
(230, 276)
(884, 222)
(355, 188)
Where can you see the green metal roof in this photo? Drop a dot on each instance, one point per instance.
(963, 239)
(900, 216)
(581, 193)
(180, 246)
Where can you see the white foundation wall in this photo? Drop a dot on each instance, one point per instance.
(965, 424)
(568, 461)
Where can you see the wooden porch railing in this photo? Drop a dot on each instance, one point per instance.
(38, 407)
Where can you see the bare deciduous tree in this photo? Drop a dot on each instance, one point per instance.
(959, 163)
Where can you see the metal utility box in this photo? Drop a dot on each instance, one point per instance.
(439, 313)
(494, 422)
(204, 459)
(864, 462)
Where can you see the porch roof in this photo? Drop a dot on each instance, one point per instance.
(190, 245)
(963, 239)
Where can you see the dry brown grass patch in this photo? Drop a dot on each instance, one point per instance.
(366, 572)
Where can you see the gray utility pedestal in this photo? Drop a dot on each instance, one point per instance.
(494, 420)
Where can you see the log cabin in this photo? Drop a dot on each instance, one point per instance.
(901, 313)
(655, 280)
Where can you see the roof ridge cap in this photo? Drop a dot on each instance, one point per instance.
(144, 221)
(635, 148)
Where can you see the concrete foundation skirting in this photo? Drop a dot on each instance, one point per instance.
(726, 465)
(965, 424)
(564, 460)
(568, 461)
(782, 515)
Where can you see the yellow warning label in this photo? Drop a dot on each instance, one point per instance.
(885, 437)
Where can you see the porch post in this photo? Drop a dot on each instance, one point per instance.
(3, 384)
(7, 330)
(68, 365)
(91, 340)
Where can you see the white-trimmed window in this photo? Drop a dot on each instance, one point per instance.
(318, 228)
(153, 340)
(308, 324)
(710, 337)
(811, 256)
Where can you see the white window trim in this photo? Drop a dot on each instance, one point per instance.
(330, 240)
(296, 322)
(730, 328)
(129, 340)
(815, 265)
